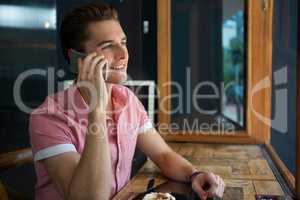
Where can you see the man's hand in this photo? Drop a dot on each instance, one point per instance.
(208, 185)
(91, 72)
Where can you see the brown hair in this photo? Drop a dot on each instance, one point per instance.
(73, 29)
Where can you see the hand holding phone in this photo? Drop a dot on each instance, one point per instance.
(75, 55)
(91, 84)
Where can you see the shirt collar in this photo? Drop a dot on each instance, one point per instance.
(119, 98)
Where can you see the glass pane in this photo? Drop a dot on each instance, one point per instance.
(233, 44)
(284, 121)
(208, 65)
(27, 46)
(28, 41)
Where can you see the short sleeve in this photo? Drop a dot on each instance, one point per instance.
(49, 136)
(144, 122)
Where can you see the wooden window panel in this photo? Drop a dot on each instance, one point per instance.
(259, 66)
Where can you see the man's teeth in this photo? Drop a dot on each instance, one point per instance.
(117, 67)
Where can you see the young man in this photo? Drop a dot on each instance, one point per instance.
(83, 138)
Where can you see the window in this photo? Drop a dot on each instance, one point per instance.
(218, 50)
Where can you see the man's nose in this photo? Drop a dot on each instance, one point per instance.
(121, 52)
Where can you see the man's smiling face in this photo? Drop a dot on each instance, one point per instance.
(108, 38)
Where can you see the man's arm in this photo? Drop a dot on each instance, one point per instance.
(87, 176)
(171, 164)
(176, 167)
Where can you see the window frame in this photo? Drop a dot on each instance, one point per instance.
(297, 178)
(259, 66)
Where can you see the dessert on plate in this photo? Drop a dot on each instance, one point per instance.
(158, 196)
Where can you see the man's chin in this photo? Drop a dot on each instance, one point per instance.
(117, 79)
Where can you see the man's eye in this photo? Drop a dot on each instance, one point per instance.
(124, 43)
(106, 46)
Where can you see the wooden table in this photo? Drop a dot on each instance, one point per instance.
(243, 168)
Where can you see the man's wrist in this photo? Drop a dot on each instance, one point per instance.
(97, 124)
(97, 114)
(193, 176)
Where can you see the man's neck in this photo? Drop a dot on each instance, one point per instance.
(109, 103)
(109, 91)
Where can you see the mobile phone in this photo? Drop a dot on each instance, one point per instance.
(74, 59)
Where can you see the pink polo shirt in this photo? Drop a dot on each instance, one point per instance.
(59, 125)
